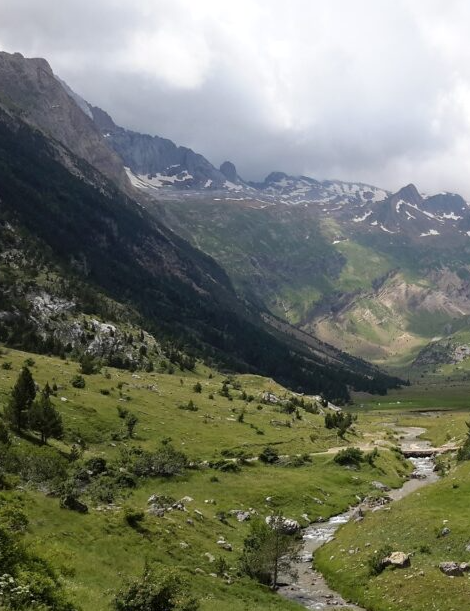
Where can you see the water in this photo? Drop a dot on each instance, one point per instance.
(310, 588)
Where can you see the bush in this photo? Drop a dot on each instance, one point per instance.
(189, 406)
(96, 465)
(162, 589)
(165, 462)
(197, 387)
(269, 455)
(78, 381)
(376, 562)
(122, 411)
(340, 421)
(349, 456)
(27, 581)
(89, 365)
(36, 464)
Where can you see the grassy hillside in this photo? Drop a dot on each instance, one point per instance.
(93, 553)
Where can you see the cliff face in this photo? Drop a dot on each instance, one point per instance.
(30, 87)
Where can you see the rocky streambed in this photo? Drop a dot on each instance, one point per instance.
(310, 588)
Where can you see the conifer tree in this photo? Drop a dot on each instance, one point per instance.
(45, 419)
(21, 400)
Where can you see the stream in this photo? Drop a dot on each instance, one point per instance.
(310, 588)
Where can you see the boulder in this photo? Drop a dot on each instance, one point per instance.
(269, 397)
(159, 512)
(242, 516)
(287, 525)
(454, 569)
(380, 486)
(224, 545)
(397, 559)
(444, 532)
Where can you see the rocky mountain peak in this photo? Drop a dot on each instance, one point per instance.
(229, 170)
(274, 177)
(408, 194)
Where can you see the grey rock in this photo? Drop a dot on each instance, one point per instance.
(454, 569)
(397, 559)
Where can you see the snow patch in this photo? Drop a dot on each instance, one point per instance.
(430, 232)
(451, 215)
(231, 186)
(359, 219)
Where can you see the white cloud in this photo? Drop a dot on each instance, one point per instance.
(363, 90)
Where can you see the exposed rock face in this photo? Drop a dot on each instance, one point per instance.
(47, 103)
(157, 162)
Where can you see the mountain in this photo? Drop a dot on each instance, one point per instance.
(153, 162)
(30, 87)
(74, 245)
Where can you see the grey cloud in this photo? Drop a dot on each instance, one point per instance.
(369, 91)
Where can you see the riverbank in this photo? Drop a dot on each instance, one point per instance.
(310, 588)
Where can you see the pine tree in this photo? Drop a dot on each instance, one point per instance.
(21, 400)
(45, 419)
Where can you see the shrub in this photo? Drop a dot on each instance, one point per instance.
(162, 589)
(189, 406)
(372, 456)
(89, 365)
(220, 566)
(376, 562)
(36, 464)
(269, 455)
(340, 421)
(197, 387)
(227, 466)
(96, 465)
(165, 462)
(78, 381)
(122, 411)
(349, 456)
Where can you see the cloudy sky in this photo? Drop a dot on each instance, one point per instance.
(371, 90)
